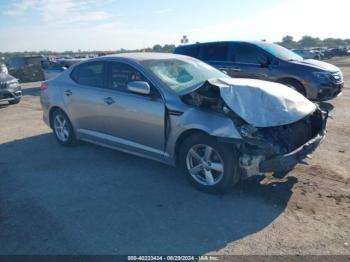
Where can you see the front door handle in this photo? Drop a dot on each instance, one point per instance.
(109, 100)
(236, 69)
(68, 92)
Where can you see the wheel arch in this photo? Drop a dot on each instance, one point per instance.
(184, 135)
(287, 79)
(52, 110)
(182, 138)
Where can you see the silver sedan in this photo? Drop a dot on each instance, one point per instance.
(183, 112)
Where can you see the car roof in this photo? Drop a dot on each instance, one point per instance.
(219, 42)
(141, 56)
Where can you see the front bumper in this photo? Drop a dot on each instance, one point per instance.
(287, 161)
(7, 94)
(323, 92)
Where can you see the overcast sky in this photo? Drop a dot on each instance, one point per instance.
(60, 25)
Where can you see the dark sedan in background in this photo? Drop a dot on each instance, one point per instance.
(314, 79)
(26, 68)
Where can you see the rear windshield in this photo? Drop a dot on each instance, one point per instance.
(20, 61)
(33, 60)
(16, 62)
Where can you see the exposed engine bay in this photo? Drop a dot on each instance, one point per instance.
(258, 143)
(207, 96)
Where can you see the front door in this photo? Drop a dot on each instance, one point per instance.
(244, 62)
(134, 120)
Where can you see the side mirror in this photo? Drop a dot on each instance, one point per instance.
(139, 87)
(263, 60)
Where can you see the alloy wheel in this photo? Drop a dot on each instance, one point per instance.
(205, 165)
(61, 128)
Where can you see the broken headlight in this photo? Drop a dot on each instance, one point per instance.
(248, 131)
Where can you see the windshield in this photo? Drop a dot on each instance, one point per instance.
(280, 52)
(180, 74)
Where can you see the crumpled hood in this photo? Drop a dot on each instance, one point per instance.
(318, 65)
(261, 103)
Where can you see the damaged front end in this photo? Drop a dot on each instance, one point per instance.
(280, 148)
(278, 126)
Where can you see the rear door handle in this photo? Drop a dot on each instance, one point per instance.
(68, 92)
(236, 69)
(109, 100)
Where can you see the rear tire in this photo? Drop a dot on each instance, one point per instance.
(295, 85)
(63, 129)
(209, 166)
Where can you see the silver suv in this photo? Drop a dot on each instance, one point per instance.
(181, 111)
(10, 89)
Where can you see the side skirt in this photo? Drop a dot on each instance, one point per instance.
(124, 146)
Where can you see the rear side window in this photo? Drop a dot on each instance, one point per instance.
(192, 50)
(89, 74)
(245, 53)
(215, 52)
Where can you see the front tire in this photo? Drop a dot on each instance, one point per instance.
(63, 129)
(209, 166)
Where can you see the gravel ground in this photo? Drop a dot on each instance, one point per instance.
(92, 200)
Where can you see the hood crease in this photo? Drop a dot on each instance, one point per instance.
(262, 103)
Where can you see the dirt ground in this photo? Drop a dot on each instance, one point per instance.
(92, 200)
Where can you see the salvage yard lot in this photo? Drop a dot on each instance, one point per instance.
(92, 200)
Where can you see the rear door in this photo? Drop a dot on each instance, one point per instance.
(85, 97)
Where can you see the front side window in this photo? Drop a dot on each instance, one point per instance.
(245, 53)
(121, 74)
(180, 74)
(215, 52)
(89, 74)
(280, 51)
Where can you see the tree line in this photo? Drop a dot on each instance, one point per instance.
(156, 48)
(309, 41)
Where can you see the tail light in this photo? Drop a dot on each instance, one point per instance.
(44, 86)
